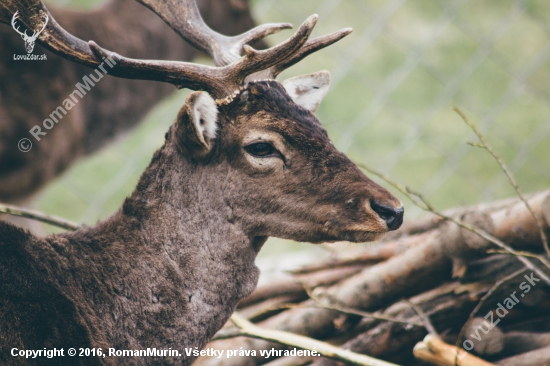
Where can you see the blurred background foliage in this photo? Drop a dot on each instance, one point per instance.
(393, 81)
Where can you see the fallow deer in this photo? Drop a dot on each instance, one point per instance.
(31, 90)
(245, 159)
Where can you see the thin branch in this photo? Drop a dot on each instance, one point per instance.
(351, 311)
(39, 216)
(425, 318)
(289, 339)
(516, 252)
(424, 204)
(343, 310)
(486, 146)
(482, 301)
(364, 314)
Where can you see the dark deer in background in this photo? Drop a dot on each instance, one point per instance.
(245, 159)
(31, 90)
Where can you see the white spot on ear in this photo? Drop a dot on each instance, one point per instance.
(308, 90)
(205, 115)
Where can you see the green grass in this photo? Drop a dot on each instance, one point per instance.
(396, 76)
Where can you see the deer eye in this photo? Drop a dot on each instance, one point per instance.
(262, 149)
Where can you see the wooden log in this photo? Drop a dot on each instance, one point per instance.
(503, 212)
(461, 245)
(447, 306)
(517, 227)
(521, 342)
(372, 254)
(488, 344)
(437, 352)
(269, 307)
(538, 357)
(430, 221)
(489, 268)
(414, 271)
(274, 289)
(536, 324)
(394, 342)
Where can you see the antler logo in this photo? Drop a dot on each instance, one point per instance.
(29, 41)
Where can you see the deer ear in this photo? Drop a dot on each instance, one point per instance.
(197, 123)
(308, 90)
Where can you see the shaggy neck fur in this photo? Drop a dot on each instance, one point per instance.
(166, 271)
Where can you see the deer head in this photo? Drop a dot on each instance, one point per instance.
(29, 40)
(279, 172)
(274, 160)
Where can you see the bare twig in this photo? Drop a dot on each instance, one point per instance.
(483, 144)
(419, 200)
(482, 301)
(363, 314)
(425, 318)
(516, 252)
(36, 215)
(327, 350)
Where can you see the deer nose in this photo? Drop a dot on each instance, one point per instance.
(392, 215)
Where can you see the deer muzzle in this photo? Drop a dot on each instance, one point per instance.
(393, 216)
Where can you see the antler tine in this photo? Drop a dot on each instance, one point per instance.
(255, 61)
(313, 45)
(219, 81)
(183, 16)
(236, 44)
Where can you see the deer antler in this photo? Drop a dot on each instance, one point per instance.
(35, 34)
(184, 18)
(223, 81)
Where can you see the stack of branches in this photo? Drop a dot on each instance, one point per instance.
(436, 292)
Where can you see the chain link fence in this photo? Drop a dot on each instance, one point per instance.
(393, 82)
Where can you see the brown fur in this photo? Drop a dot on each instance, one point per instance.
(31, 90)
(168, 269)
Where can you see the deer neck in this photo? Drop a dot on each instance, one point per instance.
(179, 257)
